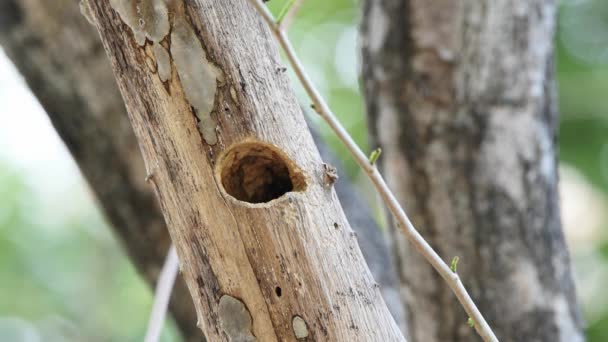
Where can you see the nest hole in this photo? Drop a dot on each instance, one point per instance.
(256, 172)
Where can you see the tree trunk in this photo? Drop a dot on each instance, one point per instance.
(460, 96)
(263, 242)
(371, 238)
(63, 62)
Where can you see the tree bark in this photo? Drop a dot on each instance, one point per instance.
(372, 240)
(460, 96)
(63, 62)
(264, 245)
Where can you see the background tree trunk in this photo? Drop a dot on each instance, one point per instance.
(63, 62)
(460, 96)
(274, 270)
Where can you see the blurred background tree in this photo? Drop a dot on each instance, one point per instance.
(46, 203)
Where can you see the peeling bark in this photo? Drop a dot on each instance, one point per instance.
(460, 96)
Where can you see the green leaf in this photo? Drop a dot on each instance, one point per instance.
(284, 10)
(454, 264)
(375, 155)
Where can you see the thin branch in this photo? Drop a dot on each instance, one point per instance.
(287, 19)
(164, 287)
(403, 221)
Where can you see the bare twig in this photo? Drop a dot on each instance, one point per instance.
(164, 287)
(403, 221)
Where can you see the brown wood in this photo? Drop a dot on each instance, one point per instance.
(460, 96)
(293, 256)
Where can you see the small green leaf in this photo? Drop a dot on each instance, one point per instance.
(454, 265)
(375, 155)
(471, 322)
(284, 10)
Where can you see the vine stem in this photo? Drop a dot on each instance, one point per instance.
(403, 222)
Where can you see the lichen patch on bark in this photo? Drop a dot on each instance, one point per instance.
(299, 327)
(235, 319)
(146, 18)
(163, 61)
(199, 76)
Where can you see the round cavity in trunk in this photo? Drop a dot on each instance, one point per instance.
(256, 172)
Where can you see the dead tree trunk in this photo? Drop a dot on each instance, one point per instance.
(460, 96)
(63, 62)
(264, 246)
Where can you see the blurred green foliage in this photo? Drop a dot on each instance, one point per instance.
(69, 280)
(582, 73)
(66, 280)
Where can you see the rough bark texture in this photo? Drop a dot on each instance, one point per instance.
(69, 73)
(372, 240)
(253, 269)
(460, 96)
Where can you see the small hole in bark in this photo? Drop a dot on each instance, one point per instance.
(278, 291)
(256, 172)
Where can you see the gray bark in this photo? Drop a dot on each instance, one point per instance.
(372, 240)
(62, 60)
(460, 96)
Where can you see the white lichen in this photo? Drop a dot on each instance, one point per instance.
(163, 61)
(146, 18)
(299, 327)
(235, 319)
(198, 76)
